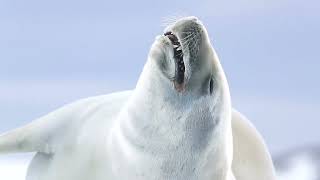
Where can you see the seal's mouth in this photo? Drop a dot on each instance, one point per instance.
(179, 63)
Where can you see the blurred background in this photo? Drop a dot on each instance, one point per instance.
(55, 52)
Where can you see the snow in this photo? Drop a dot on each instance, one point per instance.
(14, 167)
(300, 168)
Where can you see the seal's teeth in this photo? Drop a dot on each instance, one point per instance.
(177, 49)
(173, 38)
(178, 56)
(176, 43)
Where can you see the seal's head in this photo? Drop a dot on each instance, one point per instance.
(184, 62)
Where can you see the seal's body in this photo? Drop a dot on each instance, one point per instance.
(98, 148)
(175, 125)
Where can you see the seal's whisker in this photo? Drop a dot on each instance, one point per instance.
(186, 32)
(172, 19)
(195, 46)
(186, 46)
(188, 40)
(169, 20)
(187, 37)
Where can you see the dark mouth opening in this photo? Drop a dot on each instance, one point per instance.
(178, 57)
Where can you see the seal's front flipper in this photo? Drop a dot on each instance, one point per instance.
(17, 140)
(55, 130)
(251, 159)
(41, 134)
(36, 136)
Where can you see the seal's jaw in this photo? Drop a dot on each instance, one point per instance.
(179, 75)
(183, 60)
(193, 56)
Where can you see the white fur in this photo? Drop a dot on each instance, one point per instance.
(153, 133)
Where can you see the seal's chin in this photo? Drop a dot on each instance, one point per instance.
(179, 76)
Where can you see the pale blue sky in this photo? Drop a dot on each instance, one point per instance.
(54, 52)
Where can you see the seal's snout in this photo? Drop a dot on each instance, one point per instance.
(189, 31)
(188, 39)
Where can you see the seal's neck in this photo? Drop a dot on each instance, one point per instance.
(176, 135)
(169, 117)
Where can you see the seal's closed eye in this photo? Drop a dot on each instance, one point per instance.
(211, 86)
